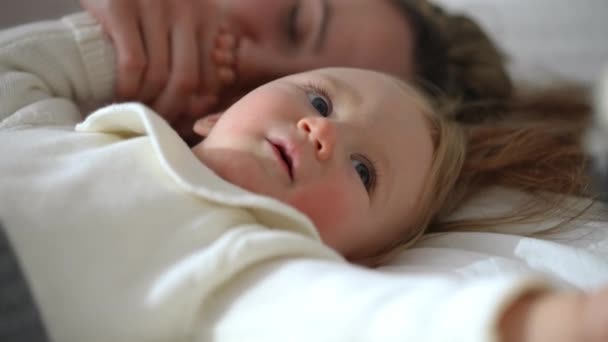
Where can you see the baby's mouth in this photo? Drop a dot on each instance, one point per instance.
(285, 157)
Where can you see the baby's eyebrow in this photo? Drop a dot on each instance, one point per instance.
(344, 90)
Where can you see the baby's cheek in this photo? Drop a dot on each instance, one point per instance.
(330, 207)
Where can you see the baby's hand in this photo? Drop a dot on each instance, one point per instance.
(224, 57)
(223, 76)
(557, 317)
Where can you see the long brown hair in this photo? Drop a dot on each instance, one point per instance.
(454, 57)
(534, 146)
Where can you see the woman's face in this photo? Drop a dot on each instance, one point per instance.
(280, 37)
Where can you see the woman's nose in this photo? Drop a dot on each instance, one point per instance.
(262, 53)
(255, 19)
(260, 62)
(321, 132)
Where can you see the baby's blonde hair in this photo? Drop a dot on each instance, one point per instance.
(449, 151)
(532, 147)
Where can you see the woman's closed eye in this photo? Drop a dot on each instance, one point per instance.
(293, 34)
(366, 171)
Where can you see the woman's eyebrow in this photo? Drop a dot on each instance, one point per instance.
(326, 14)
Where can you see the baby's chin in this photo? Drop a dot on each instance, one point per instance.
(196, 145)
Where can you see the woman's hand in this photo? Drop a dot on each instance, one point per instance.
(169, 56)
(557, 317)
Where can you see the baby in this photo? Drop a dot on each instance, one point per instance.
(124, 233)
(351, 149)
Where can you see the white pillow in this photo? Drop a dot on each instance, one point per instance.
(545, 39)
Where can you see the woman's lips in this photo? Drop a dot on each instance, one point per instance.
(284, 157)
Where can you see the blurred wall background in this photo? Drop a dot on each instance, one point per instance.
(545, 39)
(14, 12)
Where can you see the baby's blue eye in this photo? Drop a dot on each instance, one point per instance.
(321, 104)
(364, 173)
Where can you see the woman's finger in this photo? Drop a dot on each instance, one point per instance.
(184, 77)
(120, 20)
(155, 27)
(131, 59)
(124, 28)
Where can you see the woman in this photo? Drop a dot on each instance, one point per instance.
(213, 51)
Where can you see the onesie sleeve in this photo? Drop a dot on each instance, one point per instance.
(307, 300)
(50, 71)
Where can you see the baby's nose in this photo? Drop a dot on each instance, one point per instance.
(322, 133)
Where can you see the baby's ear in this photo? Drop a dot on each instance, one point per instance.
(204, 125)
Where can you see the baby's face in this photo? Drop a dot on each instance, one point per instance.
(349, 148)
